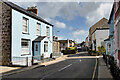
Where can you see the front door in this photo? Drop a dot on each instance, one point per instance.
(46, 49)
(37, 55)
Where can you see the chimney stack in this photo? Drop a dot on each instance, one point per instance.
(33, 9)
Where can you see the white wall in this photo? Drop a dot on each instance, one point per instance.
(101, 35)
(92, 40)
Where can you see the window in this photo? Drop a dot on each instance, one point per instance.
(25, 46)
(89, 38)
(63, 44)
(47, 31)
(25, 25)
(38, 29)
(36, 49)
(45, 46)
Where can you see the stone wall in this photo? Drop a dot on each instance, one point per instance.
(0, 33)
(56, 49)
(5, 34)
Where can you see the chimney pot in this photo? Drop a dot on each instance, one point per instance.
(33, 9)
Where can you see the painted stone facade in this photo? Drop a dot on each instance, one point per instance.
(103, 23)
(64, 44)
(111, 32)
(117, 32)
(18, 47)
(98, 37)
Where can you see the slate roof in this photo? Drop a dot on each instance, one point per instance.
(111, 14)
(100, 29)
(24, 11)
(108, 39)
(39, 38)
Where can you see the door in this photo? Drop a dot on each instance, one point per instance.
(37, 55)
(46, 49)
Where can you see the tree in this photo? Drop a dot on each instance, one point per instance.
(101, 49)
(81, 44)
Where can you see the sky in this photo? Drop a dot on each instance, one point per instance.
(71, 20)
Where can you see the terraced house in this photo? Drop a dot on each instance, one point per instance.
(117, 32)
(98, 33)
(24, 36)
(110, 40)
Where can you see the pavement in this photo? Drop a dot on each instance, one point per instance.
(4, 69)
(83, 65)
(104, 72)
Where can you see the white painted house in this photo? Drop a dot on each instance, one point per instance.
(98, 36)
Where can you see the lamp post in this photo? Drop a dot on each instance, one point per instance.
(57, 32)
(57, 44)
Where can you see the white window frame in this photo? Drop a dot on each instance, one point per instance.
(25, 25)
(47, 31)
(38, 29)
(25, 46)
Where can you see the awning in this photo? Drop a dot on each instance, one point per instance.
(39, 38)
(108, 39)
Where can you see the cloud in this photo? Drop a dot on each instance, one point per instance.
(63, 0)
(56, 23)
(102, 11)
(61, 38)
(70, 28)
(79, 35)
(92, 11)
(60, 24)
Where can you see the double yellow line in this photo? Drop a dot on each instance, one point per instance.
(94, 70)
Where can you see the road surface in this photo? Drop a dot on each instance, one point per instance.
(75, 68)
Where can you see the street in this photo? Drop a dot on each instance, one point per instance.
(75, 68)
(59, 39)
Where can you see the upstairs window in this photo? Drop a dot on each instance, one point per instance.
(47, 32)
(38, 29)
(25, 25)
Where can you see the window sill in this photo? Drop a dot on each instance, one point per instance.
(25, 54)
(37, 35)
(45, 52)
(25, 33)
(48, 37)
